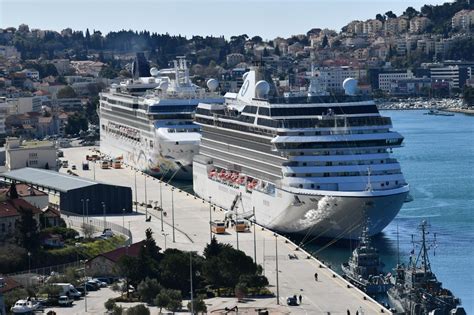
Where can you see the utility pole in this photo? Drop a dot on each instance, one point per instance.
(123, 220)
(276, 256)
(254, 238)
(172, 213)
(210, 219)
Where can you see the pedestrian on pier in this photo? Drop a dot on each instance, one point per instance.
(315, 276)
(300, 298)
(348, 312)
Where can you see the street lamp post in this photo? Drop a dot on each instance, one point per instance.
(172, 213)
(161, 207)
(29, 263)
(85, 286)
(87, 210)
(146, 202)
(123, 220)
(105, 218)
(276, 260)
(210, 219)
(83, 214)
(254, 238)
(136, 193)
(191, 280)
(165, 235)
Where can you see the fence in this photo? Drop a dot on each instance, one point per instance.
(97, 225)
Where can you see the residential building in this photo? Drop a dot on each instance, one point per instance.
(36, 154)
(418, 24)
(386, 79)
(22, 105)
(68, 104)
(335, 76)
(105, 264)
(372, 27)
(3, 116)
(31, 73)
(234, 59)
(9, 52)
(10, 213)
(411, 86)
(463, 20)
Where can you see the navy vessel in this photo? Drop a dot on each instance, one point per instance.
(416, 289)
(364, 268)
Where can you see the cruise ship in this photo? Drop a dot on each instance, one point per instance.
(148, 121)
(310, 163)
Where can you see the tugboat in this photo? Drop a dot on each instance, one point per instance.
(364, 268)
(416, 291)
(436, 112)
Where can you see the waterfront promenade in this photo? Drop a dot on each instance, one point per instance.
(329, 295)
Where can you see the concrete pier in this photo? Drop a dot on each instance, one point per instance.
(329, 295)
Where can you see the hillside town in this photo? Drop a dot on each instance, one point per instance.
(50, 80)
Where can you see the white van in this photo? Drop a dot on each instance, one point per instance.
(68, 290)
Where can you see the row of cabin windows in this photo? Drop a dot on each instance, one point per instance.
(343, 174)
(327, 153)
(315, 186)
(337, 144)
(345, 163)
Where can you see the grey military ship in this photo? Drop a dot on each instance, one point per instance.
(417, 291)
(364, 268)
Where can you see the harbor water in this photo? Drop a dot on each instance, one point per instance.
(438, 162)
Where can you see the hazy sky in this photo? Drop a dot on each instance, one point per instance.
(267, 18)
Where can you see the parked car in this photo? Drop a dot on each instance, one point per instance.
(102, 284)
(107, 232)
(292, 301)
(73, 167)
(95, 284)
(65, 301)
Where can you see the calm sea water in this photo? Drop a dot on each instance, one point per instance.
(438, 163)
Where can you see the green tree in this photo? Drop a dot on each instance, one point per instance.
(76, 123)
(390, 15)
(110, 305)
(199, 306)
(176, 301)
(139, 309)
(162, 299)
(148, 289)
(325, 42)
(27, 230)
(66, 92)
(468, 96)
(108, 72)
(410, 12)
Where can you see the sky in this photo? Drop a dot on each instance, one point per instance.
(266, 18)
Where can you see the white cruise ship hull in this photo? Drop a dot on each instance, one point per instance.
(319, 214)
(166, 159)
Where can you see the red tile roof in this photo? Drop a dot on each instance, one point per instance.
(118, 253)
(9, 208)
(10, 284)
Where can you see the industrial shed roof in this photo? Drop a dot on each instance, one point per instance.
(48, 179)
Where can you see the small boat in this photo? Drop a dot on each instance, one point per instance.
(364, 268)
(436, 112)
(27, 306)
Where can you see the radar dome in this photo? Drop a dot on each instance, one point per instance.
(212, 84)
(154, 71)
(262, 88)
(350, 86)
(244, 76)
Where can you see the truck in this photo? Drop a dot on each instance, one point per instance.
(68, 289)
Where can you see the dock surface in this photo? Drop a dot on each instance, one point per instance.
(331, 294)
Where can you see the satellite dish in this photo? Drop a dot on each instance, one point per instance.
(244, 76)
(154, 71)
(350, 86)
(262, 88)
(212, 84)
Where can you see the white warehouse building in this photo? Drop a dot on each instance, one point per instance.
(37, 154)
